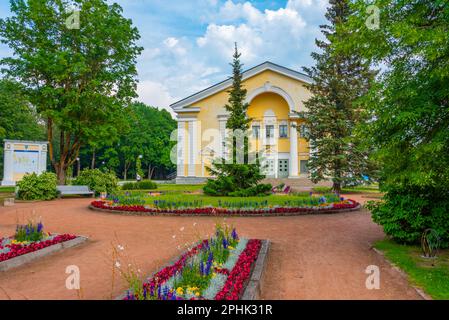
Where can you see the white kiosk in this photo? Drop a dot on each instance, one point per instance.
(21, 157)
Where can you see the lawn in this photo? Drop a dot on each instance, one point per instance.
(372, 188)
(179, 188)
(430, 274)
(4, 189)
(200, 200)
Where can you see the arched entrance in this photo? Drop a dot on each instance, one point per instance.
(273, 134)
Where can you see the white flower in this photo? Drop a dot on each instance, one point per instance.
(120, 247)
(173, 236)
(117, 264)
(181, 229)
(194, 224)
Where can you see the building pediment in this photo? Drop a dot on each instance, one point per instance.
(187, 104)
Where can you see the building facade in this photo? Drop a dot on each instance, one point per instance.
(274, 94)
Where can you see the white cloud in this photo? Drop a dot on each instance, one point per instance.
(154, 94)
(180, 64)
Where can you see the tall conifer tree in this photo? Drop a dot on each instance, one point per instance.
(339, 79)
(235, 173)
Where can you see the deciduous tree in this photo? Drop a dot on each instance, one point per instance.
(79, 77)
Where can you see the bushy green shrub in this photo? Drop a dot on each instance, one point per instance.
(37, 187)
(406, 211)
(97, 180)
(141, 185)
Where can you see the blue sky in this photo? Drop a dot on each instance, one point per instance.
(188, 43)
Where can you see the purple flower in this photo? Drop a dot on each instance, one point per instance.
(40, 227)
(225, 243)
(201, 268)
(210, 258)
(234, 234)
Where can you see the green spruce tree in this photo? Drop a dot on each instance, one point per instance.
(339, 79)
(239, 173)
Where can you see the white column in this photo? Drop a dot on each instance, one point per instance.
(42, 158)
(293, 162)
(193, 147)
(180, 147)
(8, 165)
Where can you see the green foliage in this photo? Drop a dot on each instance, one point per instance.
(409, 210)
(141, 185)
(18, 119)
(80, 80)
(139, 171)
(146, 131)
(334, 110)
(237, 173)
(409, 111)
(97, 180)
(232, 178)
(37, 187)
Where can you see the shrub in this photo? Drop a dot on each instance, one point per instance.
(141, 185)
(37, 187)
(406, 211)
(97, 180)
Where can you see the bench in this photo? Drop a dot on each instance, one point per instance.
(74, 190)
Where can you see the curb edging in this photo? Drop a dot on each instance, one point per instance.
(253, 288)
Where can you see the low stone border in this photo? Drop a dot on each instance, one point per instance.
(168, 214)
(254, 286)
(423, 295)
(25, 258)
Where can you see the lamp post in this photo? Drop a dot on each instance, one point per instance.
(78, 166)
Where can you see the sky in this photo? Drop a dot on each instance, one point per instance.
(188, 44)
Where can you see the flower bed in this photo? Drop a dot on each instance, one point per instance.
(215, 269)
(10, 249)
(30, 242)
(343, 205)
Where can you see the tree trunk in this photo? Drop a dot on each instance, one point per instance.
(336, 187)
(60, 172)
(92, 164)
(125, 171)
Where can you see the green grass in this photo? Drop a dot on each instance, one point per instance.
(179, 188)
(373, 188)
(430, 274)
(5, 189)
(213, 201)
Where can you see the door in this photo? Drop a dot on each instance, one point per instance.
(283, 168)
(269, 168)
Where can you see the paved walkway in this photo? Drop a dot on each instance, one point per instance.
(312, 257)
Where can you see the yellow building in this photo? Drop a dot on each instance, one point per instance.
(274, 93)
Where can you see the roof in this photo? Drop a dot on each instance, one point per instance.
(267, 65)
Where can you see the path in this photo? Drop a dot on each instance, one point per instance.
(312, 257)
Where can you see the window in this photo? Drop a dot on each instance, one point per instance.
(269, 131)
(256, 131)
(283, 131)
